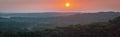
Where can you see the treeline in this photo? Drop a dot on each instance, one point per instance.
(98, 29)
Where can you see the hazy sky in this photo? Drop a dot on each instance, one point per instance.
(58, 5)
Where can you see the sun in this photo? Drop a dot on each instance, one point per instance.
(67, 4)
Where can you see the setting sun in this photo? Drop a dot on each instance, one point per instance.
(67, 4)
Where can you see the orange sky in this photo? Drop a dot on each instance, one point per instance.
(59, 5)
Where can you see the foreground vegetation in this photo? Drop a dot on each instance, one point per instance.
(99, 29)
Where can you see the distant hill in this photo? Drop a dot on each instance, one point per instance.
(86, 18)
(40, 15)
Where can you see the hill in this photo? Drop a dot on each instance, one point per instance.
(50, 20)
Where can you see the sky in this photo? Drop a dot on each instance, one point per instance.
(58, 5)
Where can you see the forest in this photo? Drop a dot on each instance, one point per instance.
(110, 28)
